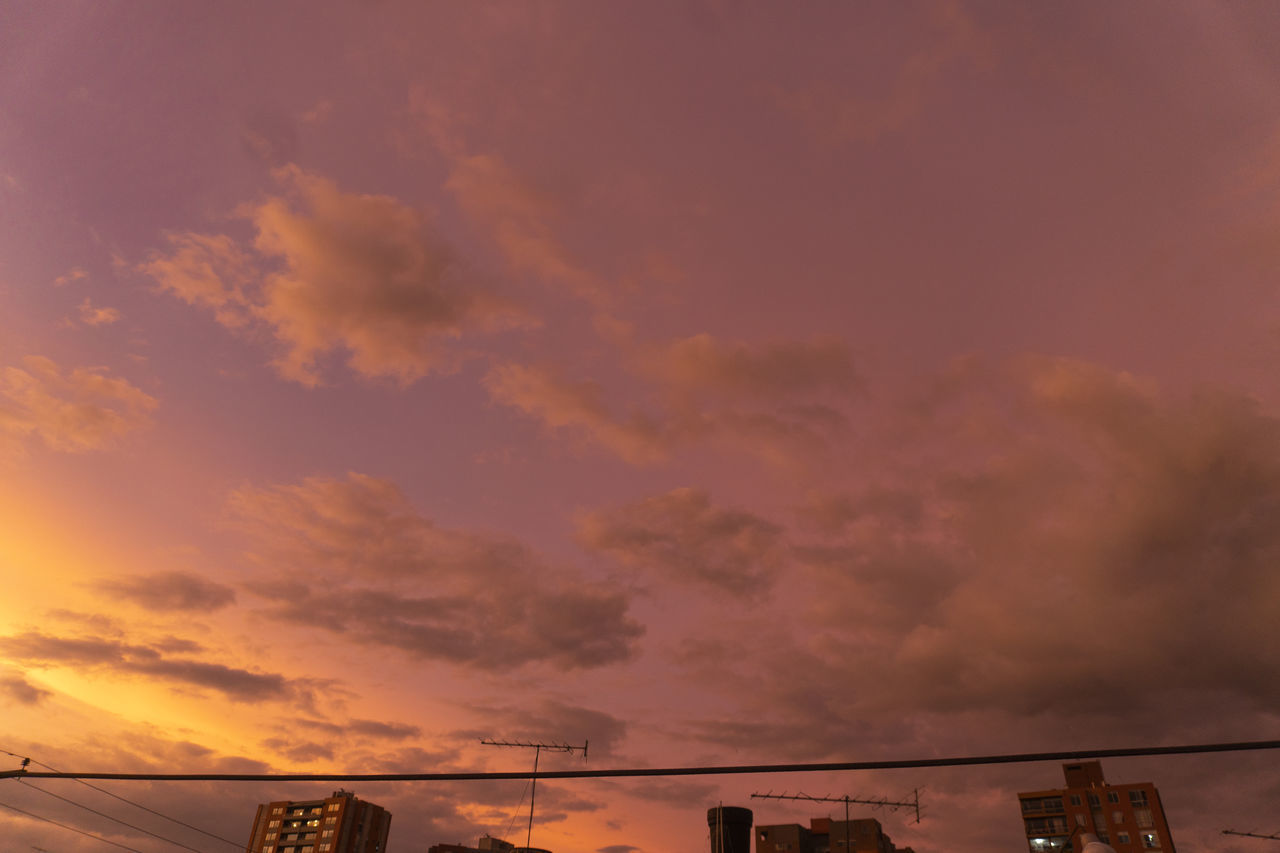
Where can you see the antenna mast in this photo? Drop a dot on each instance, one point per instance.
(537, 748)
(913, 803)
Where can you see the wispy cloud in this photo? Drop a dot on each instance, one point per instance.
(83, 409)
(170, 591)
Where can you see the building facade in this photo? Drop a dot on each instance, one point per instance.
(338, 824)
(826, 835)
(1129, 817)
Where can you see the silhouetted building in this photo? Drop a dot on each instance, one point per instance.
(1129, 817)
(825, 835)
(486, 844)
(339, 824)
(730, 829)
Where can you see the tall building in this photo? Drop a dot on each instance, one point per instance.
(1129, 817)
(825, 835)
(339, 824)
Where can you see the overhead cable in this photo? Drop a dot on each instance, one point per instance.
(110, 818)
(725, 770)
(72, 828)
(134, 804)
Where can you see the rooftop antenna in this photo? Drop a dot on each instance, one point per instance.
(1275, 837)
(537, 748)
(913, 803)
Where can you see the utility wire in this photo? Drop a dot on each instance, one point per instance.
(113, 819)
(725, 770)
(132, 803)
(515, 814)
(72, 828)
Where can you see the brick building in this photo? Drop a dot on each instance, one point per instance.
(1129, 817)
(339, 824)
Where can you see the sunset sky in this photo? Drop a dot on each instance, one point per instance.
(718, 382)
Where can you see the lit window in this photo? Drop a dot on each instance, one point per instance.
(274, 823)
(1149, 840)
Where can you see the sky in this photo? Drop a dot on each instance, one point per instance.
(714, 382)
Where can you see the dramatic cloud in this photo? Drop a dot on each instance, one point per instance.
(335, 271)
(394, 579)
(1064, 539)
(170, 591)
(84, 409)
(43, 650)
(680, 535)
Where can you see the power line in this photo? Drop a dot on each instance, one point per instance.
(72, 828)
(112, 819)
(131, 802)
(725, 770)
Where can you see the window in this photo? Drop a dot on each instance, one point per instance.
(1142, 817)
(328, 833)
(1093, 799)
(277, 810)
(1138, 798)
(274, 823)
(1117, 818)
(1149, 840)
(333, 807)
(1122, 838)
(271, 836)
(1113, 796)
(1075, 799)
(1079, 820)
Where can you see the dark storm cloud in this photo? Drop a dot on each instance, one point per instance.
(396, 580)
(36, 649)
(165, 591)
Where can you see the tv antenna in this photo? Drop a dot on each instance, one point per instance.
(1275, 837)
(874, 802)
(537, 748)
